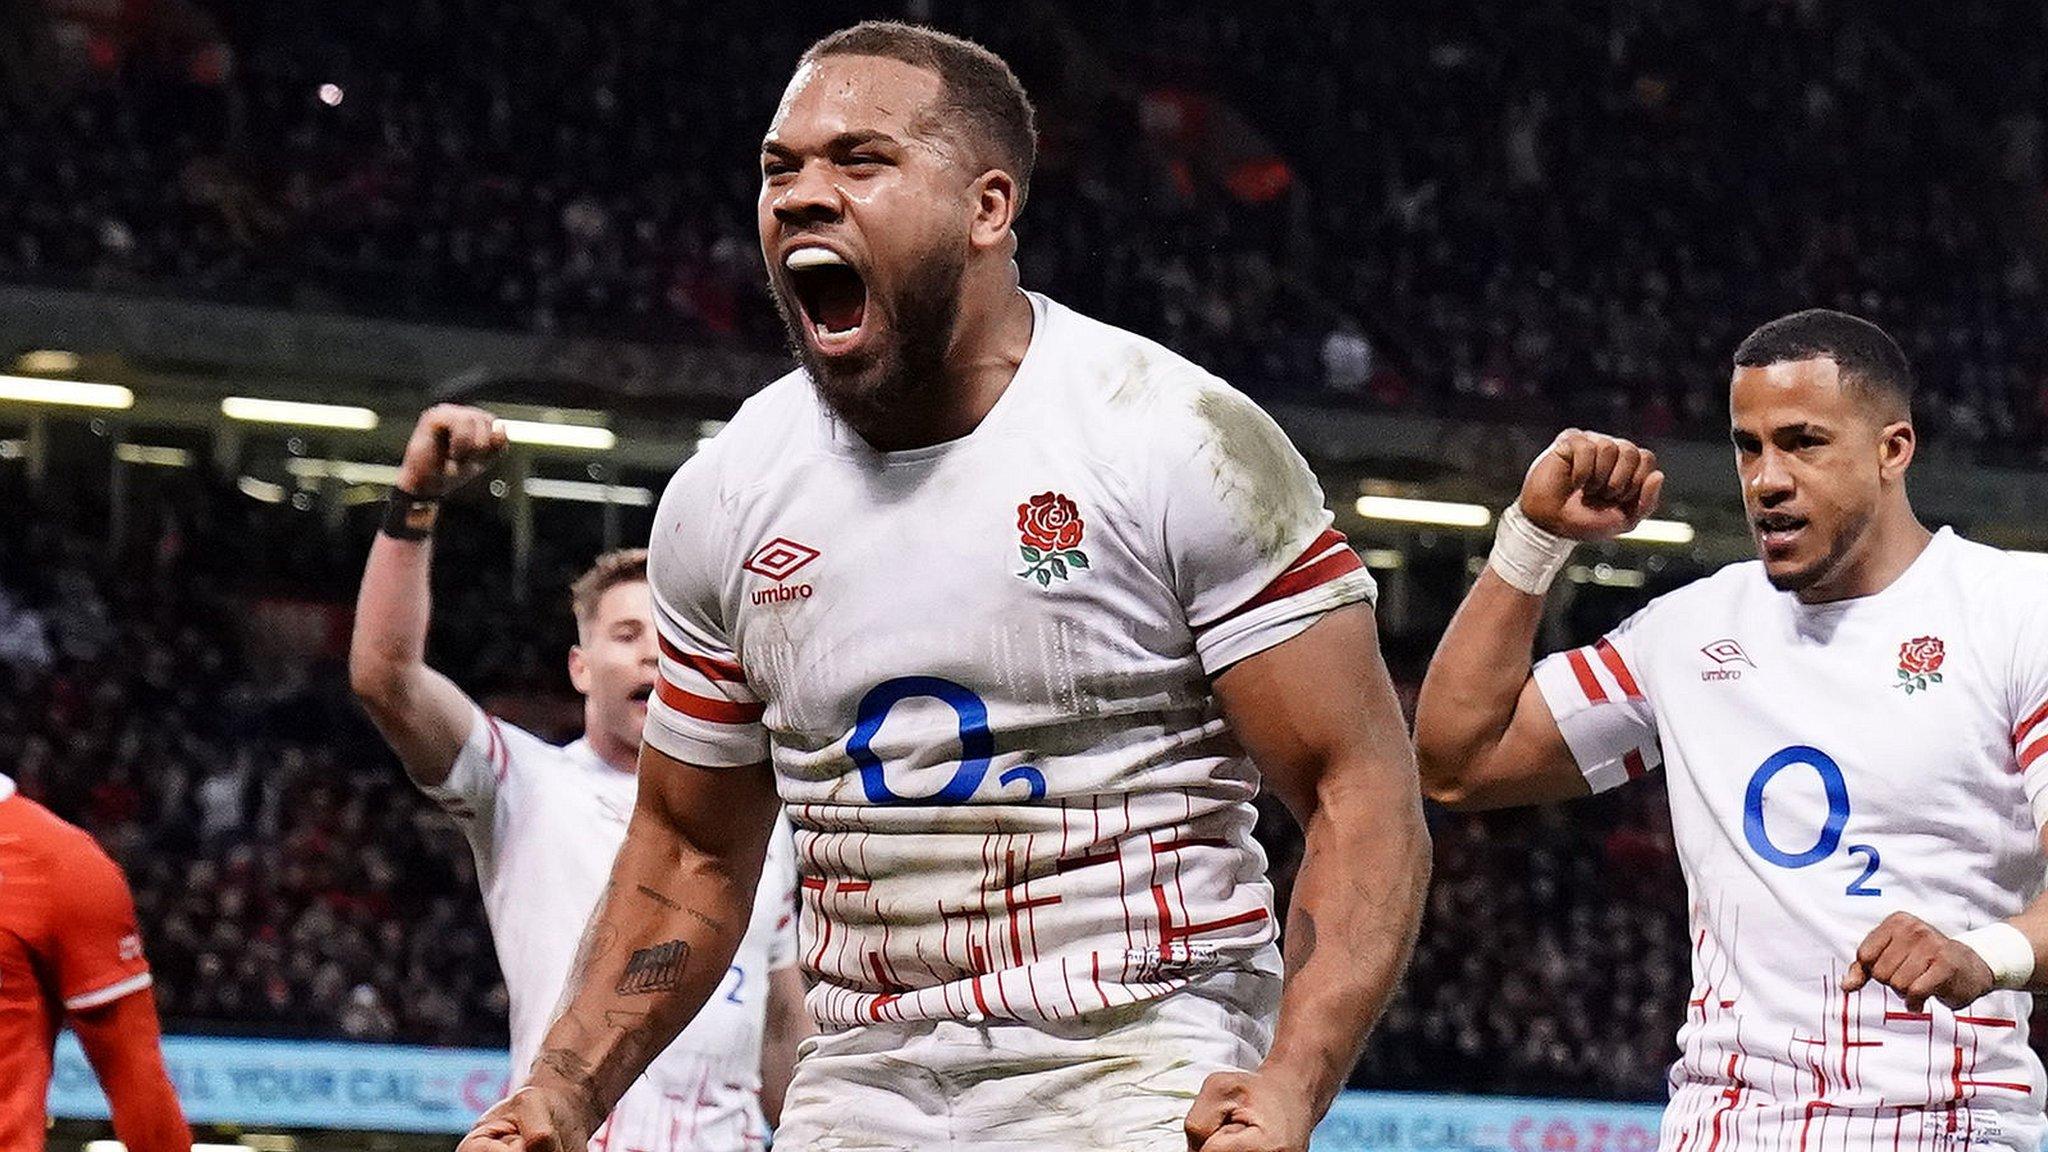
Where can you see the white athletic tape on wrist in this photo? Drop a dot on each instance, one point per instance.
(1527, 557)
(2006, 951)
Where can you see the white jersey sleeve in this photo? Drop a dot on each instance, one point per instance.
(703, 711)
(2029, 703)
(471, 789)
(1249, 546)
(1600, 703)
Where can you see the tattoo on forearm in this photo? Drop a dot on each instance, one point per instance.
(1301, 939)
(717, 926)
(566, 1064)
(655, 969)
(659, 898)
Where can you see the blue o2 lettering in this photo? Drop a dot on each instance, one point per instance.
(1836, 788)
(1838, 807)
(1858, 886)
(977, 744)
(736, 981)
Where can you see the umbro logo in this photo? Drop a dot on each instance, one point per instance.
(1725, 654)
(778, 560)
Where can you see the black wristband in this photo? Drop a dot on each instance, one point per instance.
(409, 517)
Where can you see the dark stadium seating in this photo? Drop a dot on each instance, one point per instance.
(1539, 212)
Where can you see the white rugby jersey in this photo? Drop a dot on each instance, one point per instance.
(1830, 764)
(981, 672)
(545, 824)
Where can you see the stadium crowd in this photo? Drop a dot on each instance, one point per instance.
(1544, 212)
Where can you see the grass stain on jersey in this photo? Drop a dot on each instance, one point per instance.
(1259, 477)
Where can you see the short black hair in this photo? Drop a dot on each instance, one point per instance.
(980, 91)
(1869, 360)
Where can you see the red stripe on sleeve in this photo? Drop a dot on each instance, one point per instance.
(705, 708)
(1612, 658)
(2020, 732)
(1632, 761)
(1588, 683)
(1303, 575)
(1323, 543)
(499, 756)
(717, 671)
(2034, 752)
(710, 669)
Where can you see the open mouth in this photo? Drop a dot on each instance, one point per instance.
(1778, 531)
(832, 295)
(641, 694)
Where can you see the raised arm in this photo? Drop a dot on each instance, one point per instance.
(1318, 716)
(1484, 736)
(422, 714)
(660, 941)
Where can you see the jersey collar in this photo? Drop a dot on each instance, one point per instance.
(580, 750)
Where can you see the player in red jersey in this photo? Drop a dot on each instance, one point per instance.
(70, 954)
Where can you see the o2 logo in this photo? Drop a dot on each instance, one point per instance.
(734, 985)
(977, 745)
(1837, 791)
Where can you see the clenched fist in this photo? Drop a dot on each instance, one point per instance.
(450, 446)
(529, 1120)
(1249, 1112)
(1591, 486)
(1916, 960)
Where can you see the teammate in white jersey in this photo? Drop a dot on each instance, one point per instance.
(1852, 729)
(1018, 611)
(546, 823)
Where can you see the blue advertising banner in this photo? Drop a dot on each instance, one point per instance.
(1401, 1122)
(375, 1087)
(367, 1087)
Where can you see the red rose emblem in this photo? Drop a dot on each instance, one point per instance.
(1049, 522)
(1920, 656)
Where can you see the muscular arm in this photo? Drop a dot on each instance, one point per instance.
(788, 1023)
(660, 941)
(121, 1040)
(1318, 716)
(1484, 738)
(422, 714)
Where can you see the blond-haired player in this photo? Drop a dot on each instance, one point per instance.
(546, 822)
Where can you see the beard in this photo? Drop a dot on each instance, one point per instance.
(902, 370)
(1834, 562)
